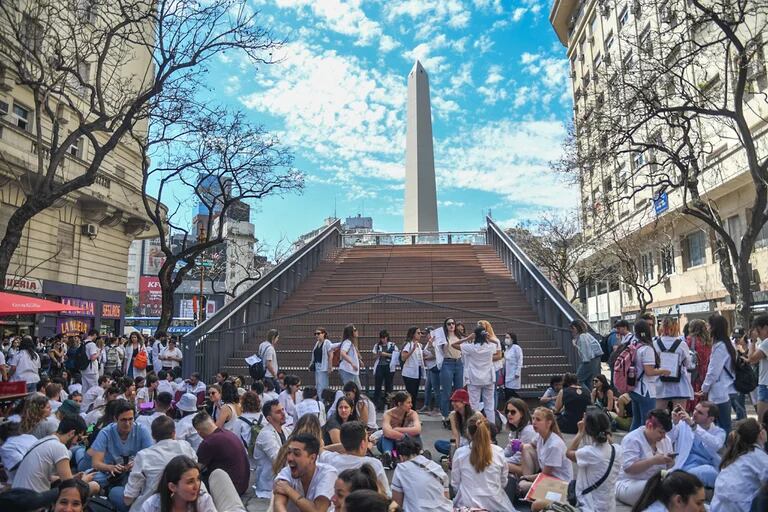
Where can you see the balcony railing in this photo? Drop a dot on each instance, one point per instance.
(438, 237)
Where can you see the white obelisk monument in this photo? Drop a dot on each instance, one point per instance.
(420, 190)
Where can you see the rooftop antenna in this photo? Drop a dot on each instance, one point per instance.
(334, 207)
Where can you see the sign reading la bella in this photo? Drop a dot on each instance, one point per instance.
(23, 284)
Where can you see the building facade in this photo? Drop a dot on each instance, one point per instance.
(606, 39)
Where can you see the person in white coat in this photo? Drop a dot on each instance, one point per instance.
(419, 484)
(479, 470)
(321, 357)
(698, 442)
(676, 491)
(513, 367)
(718, 383)
(271, 438)
(134, 346)
(675, 388)
(744, 469)
(477, 351)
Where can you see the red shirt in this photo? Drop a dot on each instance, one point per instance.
(224, 450)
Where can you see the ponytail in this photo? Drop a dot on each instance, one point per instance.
(664, 486)
(481, 454)
(363, 477)
(742, 440)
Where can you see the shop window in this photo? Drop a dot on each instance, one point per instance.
(65, 241)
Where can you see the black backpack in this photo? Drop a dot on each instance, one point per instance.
(81, 357)
(257, 370)
(745, 379)
(670, 350)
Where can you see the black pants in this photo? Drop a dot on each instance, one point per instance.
(412, 387)
(382, 376)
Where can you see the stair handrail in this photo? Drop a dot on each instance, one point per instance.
(267, 280)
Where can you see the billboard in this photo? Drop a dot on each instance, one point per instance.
(150, 296)
(152, 257)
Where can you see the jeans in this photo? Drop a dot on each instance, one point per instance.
(116, 498)
(739, 406)
(587, 371)
(641, 406)
(412, 387)
(706, 473)
(386, 445)
(443, 446)
(724, 416)
(31, 387)
(382, 376)
(432, 387)
(451, 379)
(347, 377)
(321, 381)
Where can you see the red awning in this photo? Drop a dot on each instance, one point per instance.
(12, 304)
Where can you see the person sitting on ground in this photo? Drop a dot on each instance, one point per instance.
(97, 411)
(149, 465)
(623, 419)
(479, 471)
(37, 418)
(744, 468)
(676, 491)
(698, 442)
(310, 404)
(418, 482)
(354, 440)
(647, 450)
(72, 496)
(571, 403)
(53, 394)
(187, 407)
(306, 425)
(344, 412)
(351, 480)
(603, 397)
(228, 405)
(49, 457)
(304, 479)
(268, 443)
(398, 422)
(550, 395)
(520, 433)
(160, 407)
(289, 397)
(180, 488)
(13, 446)
(598, 463)
(251, 420)
(149, 391)
(547, 455)
(221, 449)
(362, 404)
(193, 385)
(95, 396)
(458, 419)
(166, 383)
(366, 500)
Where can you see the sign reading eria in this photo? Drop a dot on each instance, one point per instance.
(23, 284)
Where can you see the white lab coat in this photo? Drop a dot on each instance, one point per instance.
(737, 485)
(265, 451)
(127, 362)
(513, 358)
(483, 490)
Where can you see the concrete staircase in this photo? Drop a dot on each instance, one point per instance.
(395, 287)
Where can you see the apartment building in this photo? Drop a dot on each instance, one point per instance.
(77, 251)
(607, 41)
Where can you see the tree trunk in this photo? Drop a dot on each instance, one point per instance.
(743, 298)
(167, 287)
(14, 231)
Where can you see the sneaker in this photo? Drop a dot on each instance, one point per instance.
(427, 454)
(387, 461)
(423, 410)
(446, 423)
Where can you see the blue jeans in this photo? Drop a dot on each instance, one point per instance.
(451, 378)
(31, 387)
(321, 381)
(386, 445)
(347, 377)
(724, 416)
(739, 406)
(641, 406)
(587, 371)
(116, 497)
(432, 387)
(443, 446)
(706, 473)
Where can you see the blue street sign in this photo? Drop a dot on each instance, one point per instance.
(661, 203)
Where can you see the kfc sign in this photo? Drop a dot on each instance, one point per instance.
(150, 296)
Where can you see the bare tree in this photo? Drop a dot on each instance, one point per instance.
(94, 68)
(674, 108)
(214, 159)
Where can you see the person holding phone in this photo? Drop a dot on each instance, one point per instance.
(699, 441)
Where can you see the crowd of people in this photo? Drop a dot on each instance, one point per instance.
(111, 421)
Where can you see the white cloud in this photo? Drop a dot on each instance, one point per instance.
(523, 95)
(528, 58)
(387, 44)
(528, 6)
(232, 85)
(494, 75)
(443, 107)
(461, 78)
(449, 203)
(489, 5)
(431, 12)
(518, 13)
(343, 16)
(552, 74)
(483, 43)
(491, 94)
(423, 52)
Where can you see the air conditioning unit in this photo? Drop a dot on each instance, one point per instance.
(90, 230)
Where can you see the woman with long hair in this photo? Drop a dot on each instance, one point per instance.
(36, 416)
(148, 392)
(349, 352)
(570, 404)
(73, 493)
(674, 388)
(58, 355)
(25, 365)
(398, 422)
(478, 351)
(452, 369)
(321, 358)
(229, 406)
(133, 348)
(589, 351)
(743, 468)
(603, 396)
(289, 397)
(344, 412)
(513, 370)
(701, 350)
(520, 433)
(718, 381)
(479, 471)
(595, 457)
(351, 480)
(179, 489)
(676, 491)
(647, 371)
(458, 420)
(548, 454)
(412, 362)
(352, 391)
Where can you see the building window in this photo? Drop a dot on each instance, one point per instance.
(628, 60)
(76, 148)
(696, 245)
(65, 241)
(735, 229)
(609, 42)
(120, 172)
(4, 108)
(667, 260)
(646, 265)
(31, 34)
(638, 160)
(21, 116)
(598, 60)
(623, 17)
(593, 26)
(762, 237)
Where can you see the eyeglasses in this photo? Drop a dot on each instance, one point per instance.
(450, 323)
(511, 412)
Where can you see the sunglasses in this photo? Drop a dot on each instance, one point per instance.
(511, 412)
(450, 323)
(318, 333)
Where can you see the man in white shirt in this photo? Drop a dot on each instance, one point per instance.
(89, 376)
(304, 479)
(50, 456)
(698, 442)
(170, 356)
(354, 439)
(149, 464)
(271, 438)
(269, 356)
(162, 404)
(193, 385)
(13, 445)
(95, 395)
(166, 383)
(758, 354)
(187, 404)
(157, 348)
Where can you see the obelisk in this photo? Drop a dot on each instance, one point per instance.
(420, 191)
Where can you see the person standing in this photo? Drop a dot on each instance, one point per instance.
(89, 376)
(589, 351)
(158, 346)
(321, 357)
(170, 358)
(25, 365)
(412, 361)
(452, 368)
(269, 356)
(647, 371)
(513, 360)
(432, 372)
(349, 352)
(134, 350)
(718, 382)
(674, 388)
(758, 354)
(383, 351)
(114, 357)
(477, 352)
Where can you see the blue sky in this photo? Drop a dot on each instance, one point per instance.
(500, 102)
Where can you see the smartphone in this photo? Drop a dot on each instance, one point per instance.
(675, 454)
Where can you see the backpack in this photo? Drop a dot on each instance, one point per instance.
(671, 350)
(81, 357)
(744, 380)
(141, 360)
(624, 372)
(258, 370)
(113, 357)
(335, 357)
(606, 343)
(255, 427)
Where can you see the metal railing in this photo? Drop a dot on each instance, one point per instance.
(436, 237)
(552, 308)
(214, 341)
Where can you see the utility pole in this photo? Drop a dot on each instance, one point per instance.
(201, 302)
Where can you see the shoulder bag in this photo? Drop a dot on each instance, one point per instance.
(572, 498)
